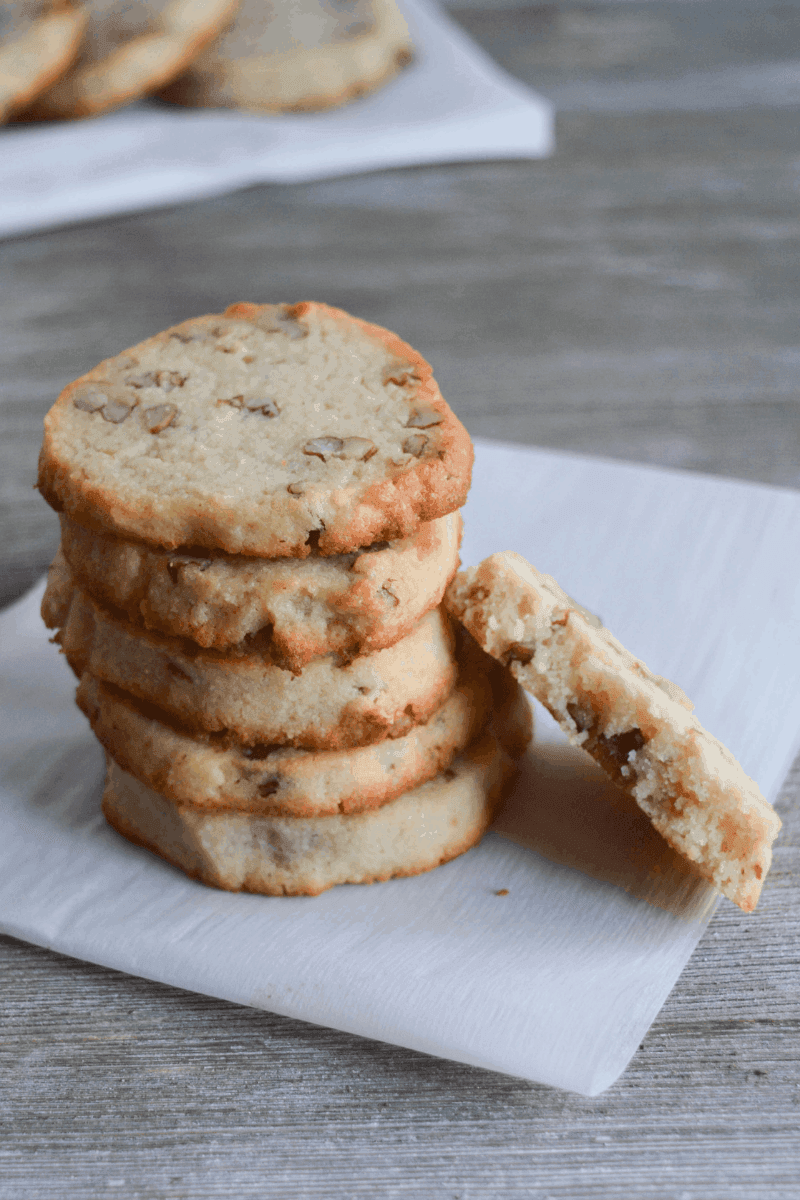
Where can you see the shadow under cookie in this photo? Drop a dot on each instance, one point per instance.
(565, 808)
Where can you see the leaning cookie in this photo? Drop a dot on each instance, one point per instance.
(346, 604)
(268, 431)
(129, 50)
(244, 851)
(638, 726)
(313, 54)
(203, 772)
(327, 706)
(38, 41)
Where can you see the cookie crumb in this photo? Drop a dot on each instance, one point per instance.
(502, 892)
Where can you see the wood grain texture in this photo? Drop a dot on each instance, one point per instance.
(635, 297)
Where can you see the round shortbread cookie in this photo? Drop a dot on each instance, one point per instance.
(268, 431)
(297, 608)
(326, 706)
(243, 851)
(205, 773)
(301, 55)
(638, 726)
(38, 41)
(128, 50)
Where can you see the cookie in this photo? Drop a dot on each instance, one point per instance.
(269, 431)
(638, 726)
(299, 608)
(57, 597)
(325, 707)
(38, 41)
(207, 773)
(304, 55)
(128, 50)
(244, 851)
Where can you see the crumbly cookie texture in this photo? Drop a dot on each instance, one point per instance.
(204, 772)
(267, 431)
(244, 851)
(128, 50)
(638, 726)
(327, 706)
(38, 41)
(310, 54)
(298, 609)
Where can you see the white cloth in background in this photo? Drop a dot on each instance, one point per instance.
(452, 104)
(557, 981)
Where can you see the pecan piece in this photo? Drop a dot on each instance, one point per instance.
(519, 652)
(90, 399)
(266, 407)
(620, 745)
(281, 320)
(190, 335)
(582, 715)
(423, 418)
(323, 447)
(333, 447)
(166, 380)
(293, 329)
(357, 447)
(116, 412)
(415, 444)
(160, 416)
(401, 374)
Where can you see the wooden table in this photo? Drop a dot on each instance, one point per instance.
(634, 297)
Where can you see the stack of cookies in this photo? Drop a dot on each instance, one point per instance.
(79, 58)
(259, 518)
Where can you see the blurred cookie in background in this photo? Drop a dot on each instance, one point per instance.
(130, 49)
(38, 41)
(285, 55)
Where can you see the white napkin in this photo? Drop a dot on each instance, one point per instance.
(452, 104)
(559, 979)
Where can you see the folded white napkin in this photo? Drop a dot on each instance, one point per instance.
(452, 104)
(559, 979)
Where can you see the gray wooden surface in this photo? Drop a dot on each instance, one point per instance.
(634, 297)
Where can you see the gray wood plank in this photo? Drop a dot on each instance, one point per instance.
(633, 297)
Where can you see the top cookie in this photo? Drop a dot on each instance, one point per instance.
(638, 726)
(130, 49)
(265, 431)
